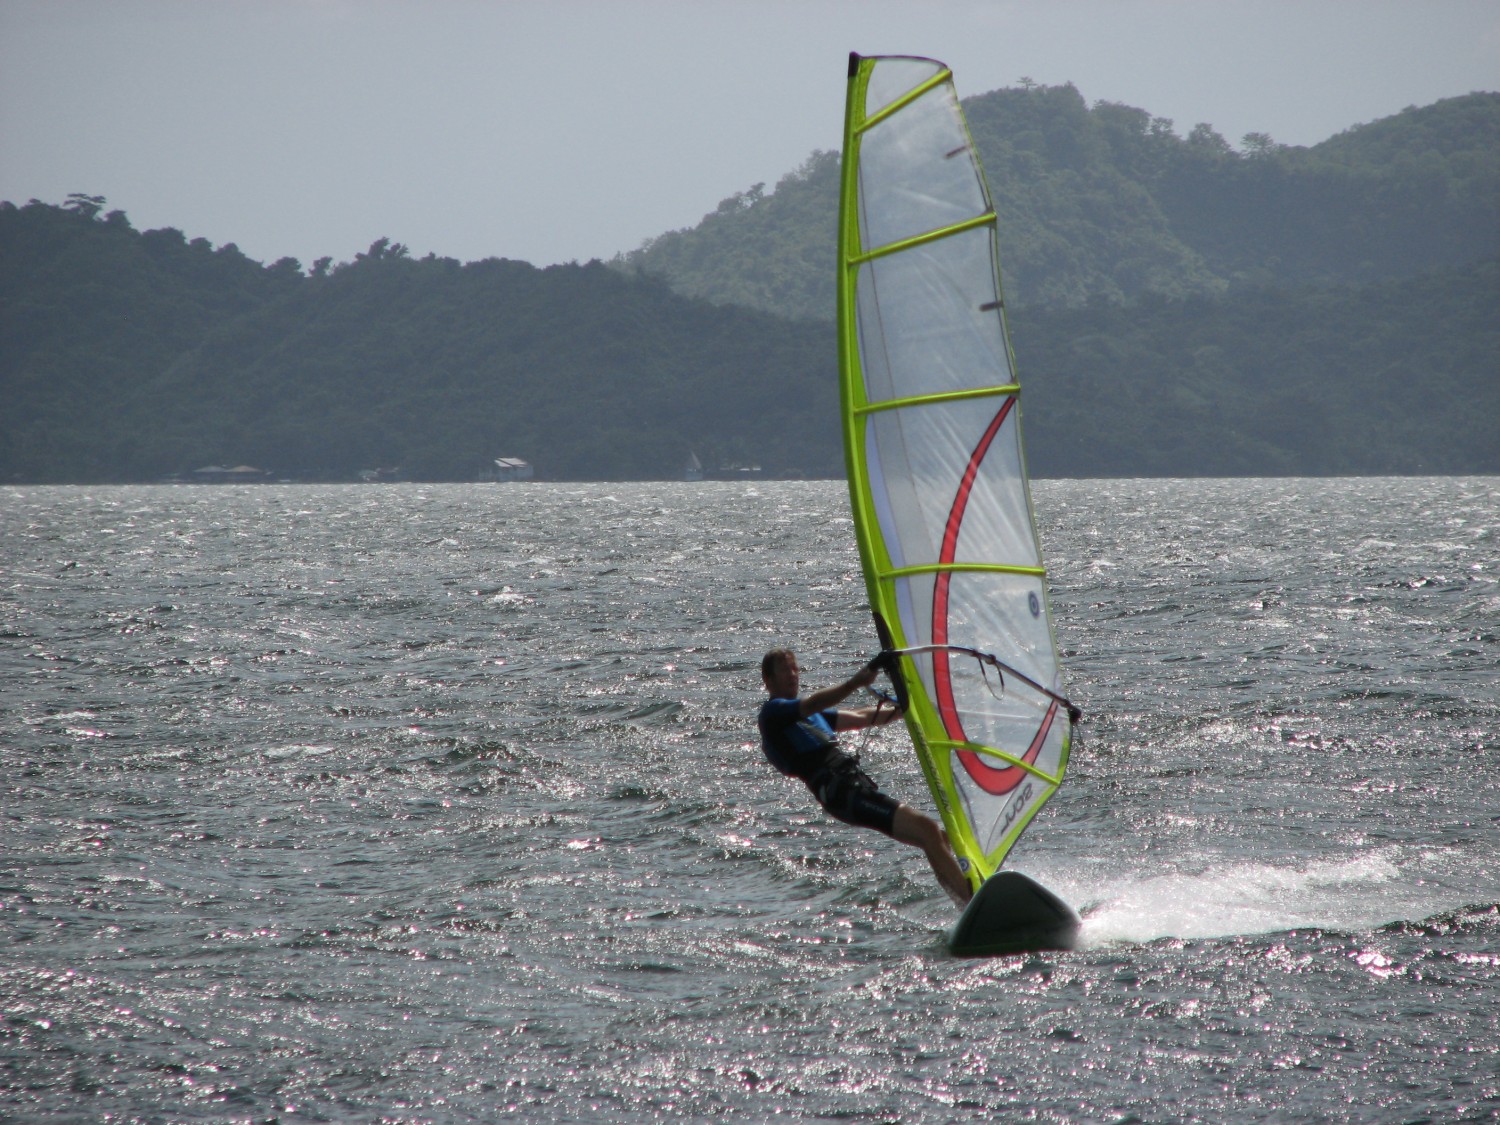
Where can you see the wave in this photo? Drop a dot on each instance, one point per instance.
(1355, 893)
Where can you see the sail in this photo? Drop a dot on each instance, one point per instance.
(937, 474)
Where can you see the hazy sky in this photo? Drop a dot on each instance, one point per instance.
(559, 130)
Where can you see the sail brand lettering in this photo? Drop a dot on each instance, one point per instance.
(1021, 800)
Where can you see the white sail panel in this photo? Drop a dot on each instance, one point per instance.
(922, 455)
(895, 77)
(915, 174)
(938, 326)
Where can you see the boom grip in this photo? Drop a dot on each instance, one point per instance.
(889, 662)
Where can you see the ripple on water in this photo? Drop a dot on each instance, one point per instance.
(442, 802)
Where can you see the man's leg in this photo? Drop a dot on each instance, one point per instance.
(911, 827)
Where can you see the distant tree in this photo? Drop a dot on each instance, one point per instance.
(382, 249)
(1259, 144)
(1205, 139)
(88, 206)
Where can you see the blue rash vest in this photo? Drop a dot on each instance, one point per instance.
(806, 748)
(797, 746)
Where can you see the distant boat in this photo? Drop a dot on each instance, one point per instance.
(693, 470)
(218, 474)
(737, 472)
(511, 468)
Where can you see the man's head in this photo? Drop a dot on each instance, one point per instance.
(779, 672)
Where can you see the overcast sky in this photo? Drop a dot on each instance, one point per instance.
(560, 130)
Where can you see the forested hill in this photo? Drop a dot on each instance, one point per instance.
(130, 356)
(1400, 377)
(1107, 201)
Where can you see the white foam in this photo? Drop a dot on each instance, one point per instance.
(1242, 898)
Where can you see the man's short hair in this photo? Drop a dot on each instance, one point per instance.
(772, 660)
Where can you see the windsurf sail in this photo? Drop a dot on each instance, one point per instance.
(937, 474)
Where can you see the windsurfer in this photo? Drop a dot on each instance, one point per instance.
(798, 736)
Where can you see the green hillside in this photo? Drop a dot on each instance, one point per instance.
(130, 356)
(1394, 378)
(1106, 201)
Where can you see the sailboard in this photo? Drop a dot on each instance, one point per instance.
(938, 486)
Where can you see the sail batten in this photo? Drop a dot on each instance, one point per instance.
(922, 239)
(1000, 755)
(949, 567)
(905, 100)
(937, 476)
(950, 396)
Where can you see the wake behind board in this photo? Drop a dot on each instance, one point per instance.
(1012, 913)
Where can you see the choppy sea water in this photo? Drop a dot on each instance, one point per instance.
(440, 803)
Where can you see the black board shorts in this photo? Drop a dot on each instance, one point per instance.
(847, 793)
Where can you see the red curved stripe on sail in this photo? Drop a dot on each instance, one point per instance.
(997, 781)
(947, 707)
(1002, 780)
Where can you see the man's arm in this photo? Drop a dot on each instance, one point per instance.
(876, 715)
(831, 697)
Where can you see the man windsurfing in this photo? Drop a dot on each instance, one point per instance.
(799, 737)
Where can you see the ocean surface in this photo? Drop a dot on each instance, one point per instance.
(409, 803)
